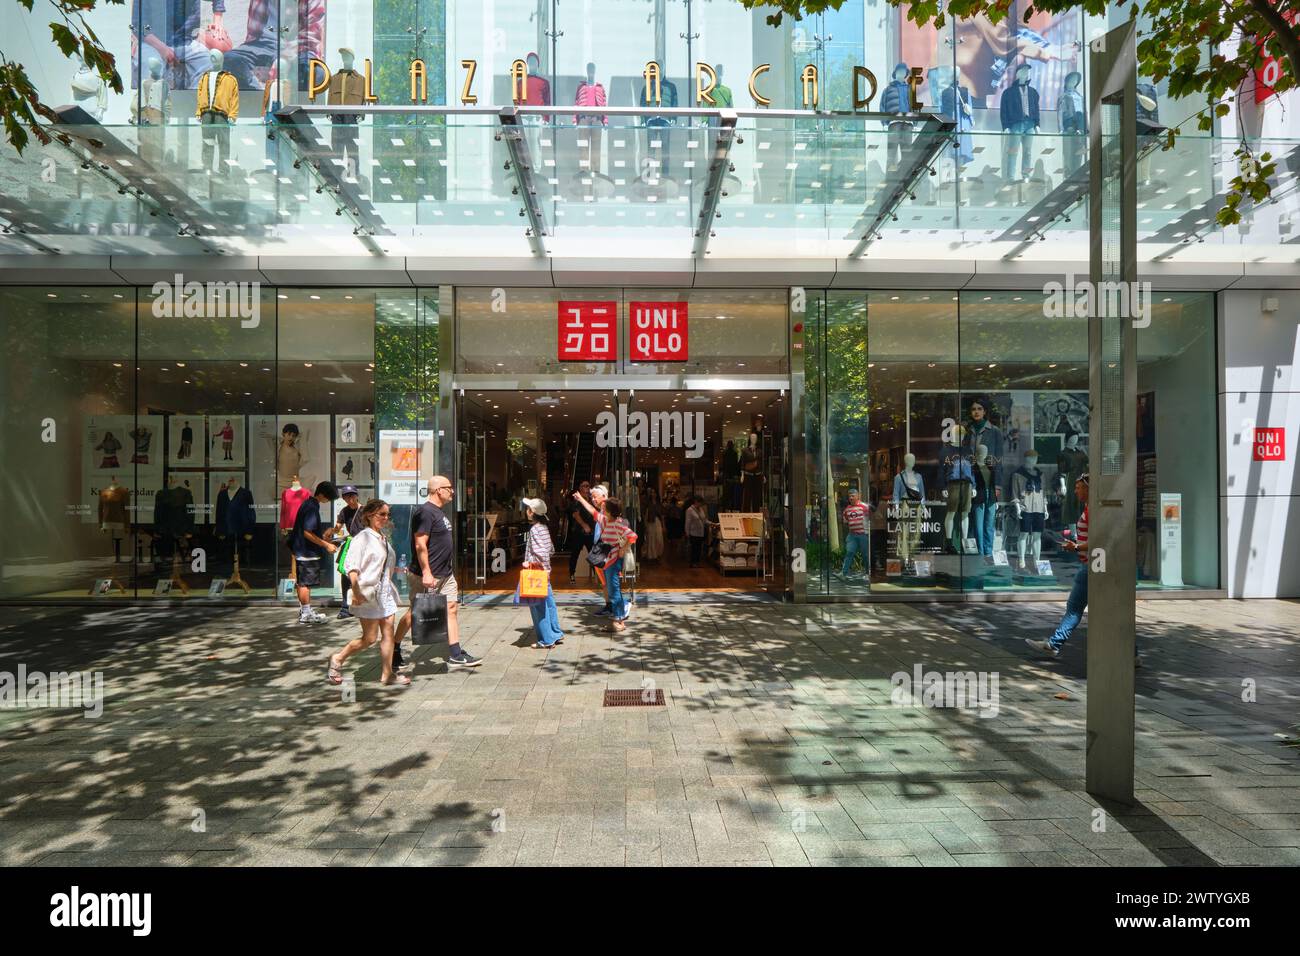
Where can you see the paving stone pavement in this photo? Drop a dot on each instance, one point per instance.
(779, 744)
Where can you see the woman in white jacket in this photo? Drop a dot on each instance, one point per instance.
(369, 566)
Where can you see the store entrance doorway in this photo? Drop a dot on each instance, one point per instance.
(701, 477)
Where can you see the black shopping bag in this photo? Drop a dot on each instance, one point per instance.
(429, 618)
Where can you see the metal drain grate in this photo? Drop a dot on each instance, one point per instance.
(634, 698)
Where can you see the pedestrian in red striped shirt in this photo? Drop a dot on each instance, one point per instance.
(857, 531)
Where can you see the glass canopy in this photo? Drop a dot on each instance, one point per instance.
(607, 182)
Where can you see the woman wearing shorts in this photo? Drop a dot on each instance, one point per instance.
(369, 565)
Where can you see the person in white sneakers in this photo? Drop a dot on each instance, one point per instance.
(310, 549)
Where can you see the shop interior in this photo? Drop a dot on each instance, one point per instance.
(725, 448)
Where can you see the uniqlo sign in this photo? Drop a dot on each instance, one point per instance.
(658, 331)
(1270, 444)
(588, 331)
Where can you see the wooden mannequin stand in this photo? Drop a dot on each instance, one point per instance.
(235, 578)
(176, 579)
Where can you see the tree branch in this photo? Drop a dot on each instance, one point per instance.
(1283, 30)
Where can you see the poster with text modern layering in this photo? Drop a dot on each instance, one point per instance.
(126, 449)
(282, 448)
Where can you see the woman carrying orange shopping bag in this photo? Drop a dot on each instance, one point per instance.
(534, 579)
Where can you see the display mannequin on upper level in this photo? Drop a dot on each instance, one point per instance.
(89, 91)
(590, 93)
(217, 107)
(1020, 120)
(1074, 121)
(347, 88)
(897, 98)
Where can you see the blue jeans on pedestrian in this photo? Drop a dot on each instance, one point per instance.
(855, 544)
(546, 620)
(1075, 605)
(615, 586)
(981, 525)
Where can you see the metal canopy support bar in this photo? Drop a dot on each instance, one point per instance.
(521, 161)
(320, 160)
(934, 138)
(130, 173)
(718, 169)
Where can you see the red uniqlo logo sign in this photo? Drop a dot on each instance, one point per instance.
(588, 332)
(658, 331)
(1270, 444)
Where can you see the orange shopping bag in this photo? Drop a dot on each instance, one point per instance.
(532, 583)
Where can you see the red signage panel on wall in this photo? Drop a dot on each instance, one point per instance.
(1270, 444)
(659, 331)
(588, 331)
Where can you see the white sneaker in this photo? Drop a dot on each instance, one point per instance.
(308, 616)
(1044, 647)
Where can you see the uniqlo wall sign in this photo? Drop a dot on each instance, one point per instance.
(1270, 444)
(588, 331)
(658, 331)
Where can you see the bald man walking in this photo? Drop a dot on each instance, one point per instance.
(431, 548)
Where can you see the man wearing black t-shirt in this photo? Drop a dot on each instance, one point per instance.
(431, 571)
(310, 549)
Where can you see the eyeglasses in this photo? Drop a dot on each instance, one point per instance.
(381, 514)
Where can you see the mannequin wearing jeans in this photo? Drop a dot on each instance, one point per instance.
(1020, 119)
(984, 499)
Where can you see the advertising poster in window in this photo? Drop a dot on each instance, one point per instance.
(185, 441)
(282, 448)
(121, 451)
(354, 431)
(226, 435)
(405, 463)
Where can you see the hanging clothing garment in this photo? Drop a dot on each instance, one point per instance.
(590, 94)
(235, 513)
(290, 502)
(112, 508)
(218, 93)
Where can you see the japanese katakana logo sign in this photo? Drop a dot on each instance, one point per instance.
(588, 331)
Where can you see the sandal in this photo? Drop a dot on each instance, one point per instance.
(399, 680)
(334, 674)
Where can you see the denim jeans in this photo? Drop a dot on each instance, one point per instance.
(981, 525)
(1015, 151)
(1075, 605)
(616, 599)
(546, 619)
(855, 544)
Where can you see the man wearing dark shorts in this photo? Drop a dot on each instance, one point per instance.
(310, 549)
(432, 555)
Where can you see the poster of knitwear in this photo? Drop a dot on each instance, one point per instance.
(282, 448)
(226, 439)
(128, 449)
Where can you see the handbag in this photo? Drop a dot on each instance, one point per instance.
(429, 618)
(598, 554)
(533, 583)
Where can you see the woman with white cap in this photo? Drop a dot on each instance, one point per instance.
(538, 549)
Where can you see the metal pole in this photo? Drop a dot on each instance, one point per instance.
(1112, 444)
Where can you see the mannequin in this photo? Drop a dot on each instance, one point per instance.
(89, 91)
(234, 522)
(347, 88)
(1071, 462)
(722, 95)
(1074, 121)
(897, 98)
(112, 509)
(984, 499)
(959, 477)
(590, 93)
(1031, 502)
(909, 498)
(954, 103)
(750, 466)
(173, 524)
(216, 109)
(291, 500)
(1019, 115)
(153, 107)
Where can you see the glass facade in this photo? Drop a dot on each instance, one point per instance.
(152, 440)
(173, 427)
(960, 421)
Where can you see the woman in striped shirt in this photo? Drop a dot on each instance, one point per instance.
(538, 549)
(618, 535)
